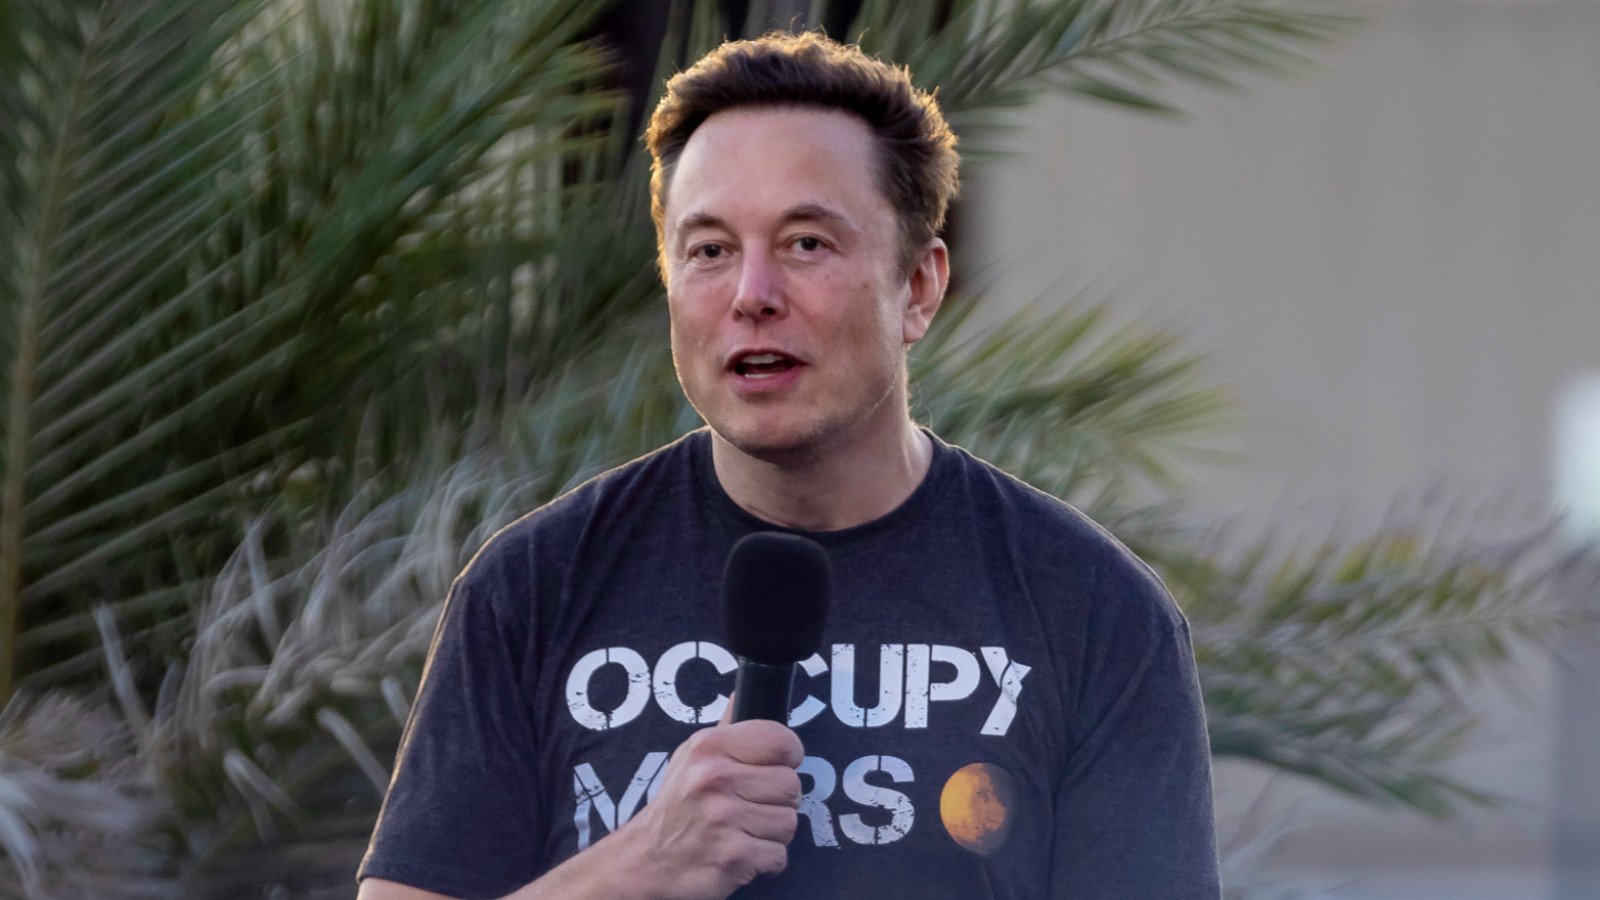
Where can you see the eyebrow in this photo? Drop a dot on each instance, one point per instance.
(815, 212)
(800, 212)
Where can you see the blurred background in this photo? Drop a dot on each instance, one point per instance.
(1390, 257)
(301, 301)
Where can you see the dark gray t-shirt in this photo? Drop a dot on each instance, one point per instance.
(1005, 704)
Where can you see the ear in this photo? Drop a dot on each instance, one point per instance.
(927, 281)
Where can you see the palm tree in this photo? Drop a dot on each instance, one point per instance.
(300, 301)
(214, 286)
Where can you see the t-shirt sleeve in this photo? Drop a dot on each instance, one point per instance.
(461, 817)
(1134, 815)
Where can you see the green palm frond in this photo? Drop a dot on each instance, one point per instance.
(278, 730)
(1349, 662)
(103, 205)
(203, 196)
(988, 57)
(1063, 399)
(402, 139)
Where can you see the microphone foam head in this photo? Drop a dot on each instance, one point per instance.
(776, 592)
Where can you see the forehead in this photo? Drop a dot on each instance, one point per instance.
(772, 158)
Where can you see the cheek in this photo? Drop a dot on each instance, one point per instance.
(691, 318)
(860, 317)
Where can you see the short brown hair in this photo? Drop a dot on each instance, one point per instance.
(918, 157)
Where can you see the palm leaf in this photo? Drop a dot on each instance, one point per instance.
(81, 177)
(1063, 399)
(277, 731)
(1350, 661)
(986, 58)
(198, 213)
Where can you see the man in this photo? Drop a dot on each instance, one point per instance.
(1006, 705)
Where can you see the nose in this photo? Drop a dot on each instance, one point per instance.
(759, 296)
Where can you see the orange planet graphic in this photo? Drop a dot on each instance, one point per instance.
(977, 806)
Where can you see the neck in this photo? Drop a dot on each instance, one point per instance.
(839, 488)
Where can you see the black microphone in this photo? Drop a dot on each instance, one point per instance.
(775, 593)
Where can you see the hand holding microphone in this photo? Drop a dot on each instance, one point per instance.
(726, 810)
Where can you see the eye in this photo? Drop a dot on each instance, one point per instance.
(707, 251)
(808, 243)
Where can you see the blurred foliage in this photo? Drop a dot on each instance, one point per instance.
(1350, 660)
(300, 301)
(241, 243)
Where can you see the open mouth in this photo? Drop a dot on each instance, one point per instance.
(763, 365)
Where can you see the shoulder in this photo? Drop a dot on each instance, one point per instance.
(1065, 554)
(545, 540)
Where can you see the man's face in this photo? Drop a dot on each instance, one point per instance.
(790, 312)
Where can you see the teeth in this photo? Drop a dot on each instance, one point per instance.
(761, 359)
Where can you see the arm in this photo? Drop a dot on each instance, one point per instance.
(587, 875)
(595, 873)
(725, 814)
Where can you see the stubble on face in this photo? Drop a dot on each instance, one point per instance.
(842, 312)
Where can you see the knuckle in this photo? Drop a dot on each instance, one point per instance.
(694, 782)
(788, 747)
(722, 812)
(777, 862)
(713, 777)
(700, 742)
(708, 777)
(727, 858)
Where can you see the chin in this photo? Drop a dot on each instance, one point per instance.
(777, 443)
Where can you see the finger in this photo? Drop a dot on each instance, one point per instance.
(727, 712)
(762, 743)
(769, 823)
(770, 785)
(772, 857)
(752, 857)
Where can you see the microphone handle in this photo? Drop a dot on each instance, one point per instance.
(761, 691)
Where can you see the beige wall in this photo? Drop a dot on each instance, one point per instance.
(1396, 257)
